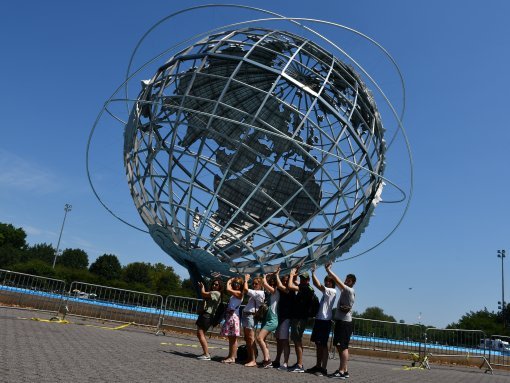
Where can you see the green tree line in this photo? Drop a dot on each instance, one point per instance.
(73, 265)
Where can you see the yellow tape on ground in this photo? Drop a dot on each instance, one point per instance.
(190, 345)
(407, 368)
(61, 321)
(50, 320)
(109, 328)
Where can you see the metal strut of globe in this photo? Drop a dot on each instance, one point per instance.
(252, 149)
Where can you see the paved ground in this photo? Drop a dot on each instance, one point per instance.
(85, 351)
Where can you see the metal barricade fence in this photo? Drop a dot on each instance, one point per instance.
(113, 304)
(180, 313)
(22, 290)
(456, 343)
(498, 348)
(388, 337)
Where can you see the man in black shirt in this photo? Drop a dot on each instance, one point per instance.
(300, 310)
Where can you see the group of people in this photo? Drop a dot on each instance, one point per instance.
(288, 312)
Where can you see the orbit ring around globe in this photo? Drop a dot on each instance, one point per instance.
(252, 148)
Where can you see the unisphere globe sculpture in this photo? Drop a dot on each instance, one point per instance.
(252, 149)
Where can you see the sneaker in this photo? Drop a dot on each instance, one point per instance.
(312, 370)
(204, 357)
(297, 368)
(276, 364)
(337, 375)
(346, 374)
(283, 367)
(321, 372)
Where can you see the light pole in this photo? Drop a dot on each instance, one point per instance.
(501, 254)
(67, 208)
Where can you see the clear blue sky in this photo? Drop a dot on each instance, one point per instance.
(61, 60)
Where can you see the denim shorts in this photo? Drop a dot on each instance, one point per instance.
(248, 320)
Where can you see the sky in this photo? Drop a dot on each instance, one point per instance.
(60, 61)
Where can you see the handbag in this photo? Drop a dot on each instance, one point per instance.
(345, 308)
(261, 312)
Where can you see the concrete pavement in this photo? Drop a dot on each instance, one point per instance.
(89, 351)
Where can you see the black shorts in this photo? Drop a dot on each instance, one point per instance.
(204, 321)
(343, 332)
(320, 332)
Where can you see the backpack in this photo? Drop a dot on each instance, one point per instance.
(314, 306)
(219, 314)
(242, 353)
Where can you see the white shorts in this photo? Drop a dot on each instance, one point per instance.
(282, 332)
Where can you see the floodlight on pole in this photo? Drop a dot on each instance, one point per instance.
(501, 254)
(67, 208)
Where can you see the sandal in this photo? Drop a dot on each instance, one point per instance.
(228, 361)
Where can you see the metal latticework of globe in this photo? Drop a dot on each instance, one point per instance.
(254, 148)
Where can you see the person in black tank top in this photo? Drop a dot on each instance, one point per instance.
(284, 313)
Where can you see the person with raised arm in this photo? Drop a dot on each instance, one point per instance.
(343, 320)
(300, 309)
(231, 326)
(256, 299)
(211, 301)
(270, 322)
(284, 313)
(322, 323)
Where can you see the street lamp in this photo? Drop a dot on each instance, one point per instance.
(501, 254)
(67, 208)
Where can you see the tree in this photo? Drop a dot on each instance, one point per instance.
(159, 271)
(74, 258)
(41, 251)
(35, 267)
(9, 255)
(376, 313)
(107, 266)
(16, 237)
(12, 244)
(487, 321)
(138, 272)
(188, 285)
(164, 279)
(70, 275)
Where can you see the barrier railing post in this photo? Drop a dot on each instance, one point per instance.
(30, 291)
(498, 347)
(456, 343)
(114, 305)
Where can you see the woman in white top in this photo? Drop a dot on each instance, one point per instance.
(270, 322)
(256, 299)
(231, 327)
